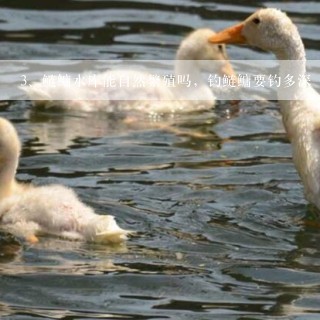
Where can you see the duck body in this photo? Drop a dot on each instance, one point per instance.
(272, 30)
(301, 119)
(56, 210)
(194, 56)
(28, 211)
(101, 99)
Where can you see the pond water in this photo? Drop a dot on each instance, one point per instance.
(223, 230)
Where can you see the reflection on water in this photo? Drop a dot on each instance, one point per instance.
(223, 230)
(58, 131)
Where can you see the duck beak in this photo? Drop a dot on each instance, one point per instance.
(232, 35)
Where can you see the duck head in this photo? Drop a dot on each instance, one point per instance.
(268, 29)
(196, 47)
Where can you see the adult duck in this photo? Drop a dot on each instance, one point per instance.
(272, 30)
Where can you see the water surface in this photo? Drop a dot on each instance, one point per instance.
(222, 224)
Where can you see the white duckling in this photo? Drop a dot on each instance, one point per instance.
(272, 30)
(155, 96)
(28, 211)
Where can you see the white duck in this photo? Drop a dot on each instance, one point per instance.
(28, 211)
(272, 30)
(156, 97)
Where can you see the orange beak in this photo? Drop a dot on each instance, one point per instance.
(231, 35)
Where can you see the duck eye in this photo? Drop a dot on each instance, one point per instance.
(256, 20)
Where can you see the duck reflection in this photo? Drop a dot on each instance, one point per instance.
(56, 132)
(67, 257)
(9, 248)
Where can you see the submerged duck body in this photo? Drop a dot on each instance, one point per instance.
(272, 30)
(28, 211)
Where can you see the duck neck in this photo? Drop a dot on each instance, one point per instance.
(7, 177)
(294, 48)
(292, 62)
(293, 57)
